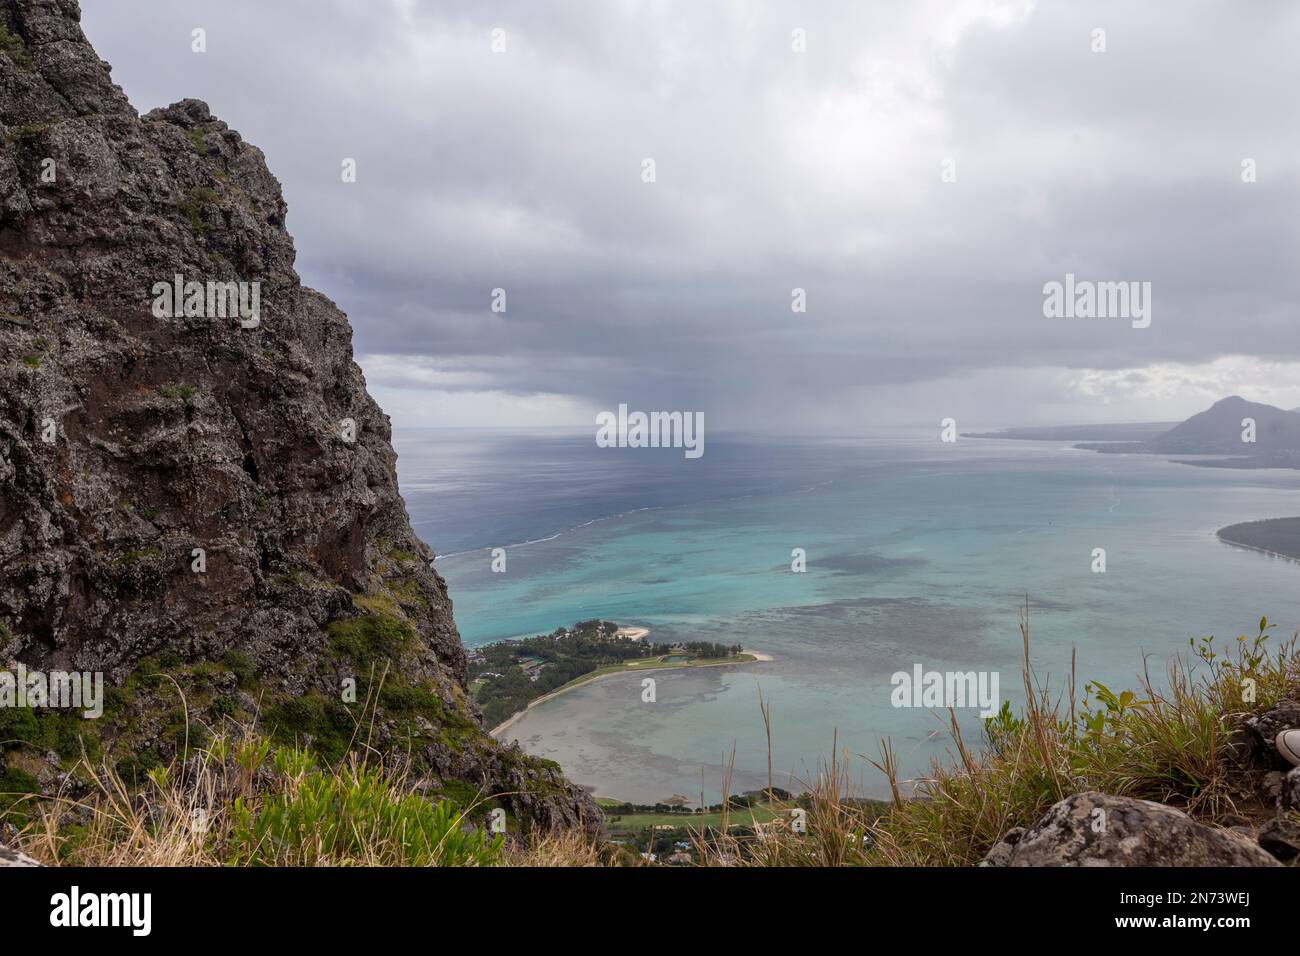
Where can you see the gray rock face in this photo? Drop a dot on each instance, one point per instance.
(127, 441)
(1002, 851)
(1281, 837)
(10, 857)
(1271, 786)
(1261, 733)
(1289, 792)
(1095, 829)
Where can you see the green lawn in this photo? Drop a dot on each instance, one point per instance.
(635, 822)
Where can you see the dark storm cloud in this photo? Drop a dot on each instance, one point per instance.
(775, 170)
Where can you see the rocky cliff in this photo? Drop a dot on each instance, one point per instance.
(192, 489)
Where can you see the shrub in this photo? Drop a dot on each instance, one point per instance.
(12, 44)
(370, 636)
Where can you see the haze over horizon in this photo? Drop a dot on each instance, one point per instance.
(775, 170)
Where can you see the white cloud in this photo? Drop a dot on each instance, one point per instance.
(1185, 389)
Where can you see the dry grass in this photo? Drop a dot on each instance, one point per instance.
(242, 801)
(565, 848)
(1166, 743)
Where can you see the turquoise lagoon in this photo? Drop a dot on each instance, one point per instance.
(918, 552)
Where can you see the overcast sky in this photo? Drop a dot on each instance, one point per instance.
(775, 169)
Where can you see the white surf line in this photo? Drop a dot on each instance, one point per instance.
(1251, 547)
(550, 537)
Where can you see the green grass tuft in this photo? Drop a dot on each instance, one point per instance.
(194, 207)
(13, 46)
(195, 136)
(370, 637)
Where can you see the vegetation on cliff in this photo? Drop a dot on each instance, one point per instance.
(1199, 741)
(203, 509)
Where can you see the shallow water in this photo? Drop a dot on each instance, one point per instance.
(917, 553)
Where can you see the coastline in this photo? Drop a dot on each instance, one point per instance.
(753, 657)
(1276, 537)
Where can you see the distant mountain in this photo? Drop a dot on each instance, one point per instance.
(1218, 431)
(1135, 432)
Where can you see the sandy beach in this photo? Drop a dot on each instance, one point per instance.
(758, 658)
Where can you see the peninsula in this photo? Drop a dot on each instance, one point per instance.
(509, 677)
(1275, 536)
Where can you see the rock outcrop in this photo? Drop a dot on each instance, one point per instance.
(1095, 829)
(1281, 837)
(1288, 797)
(194, 490)
(10, 857)
(1255, 744)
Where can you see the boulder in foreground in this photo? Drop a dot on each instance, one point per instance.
(10, 857)
(1096, 829)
